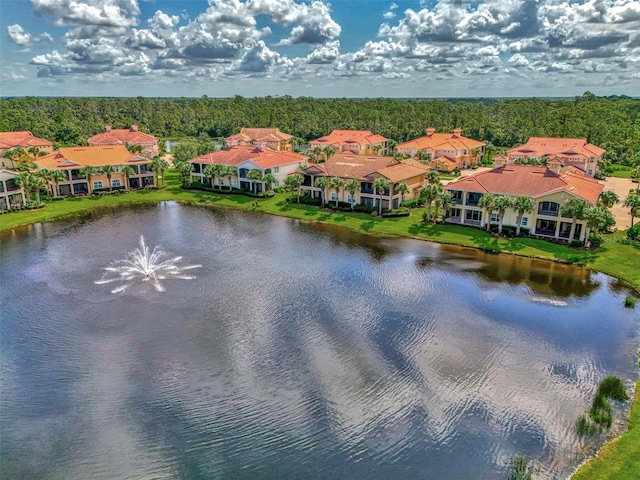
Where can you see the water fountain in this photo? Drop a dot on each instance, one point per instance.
(145, 265)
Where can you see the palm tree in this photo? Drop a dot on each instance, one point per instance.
(598, 219)
(402, 189)
(500, 205)
(108, 170)
(328, 151)
(432, 177)
(293, 182)
(321, 183)
(381, 184)
(35, 152)
(376, 148)
(209, 172)
(423, 157)
(352, 186)
(255, 176)
(25, 180)
(184, 169)
(487, 202)
(608, 198)
(57, 176)
(88, 172)
(522, 205)
(128, 171)
(158, 166)
(633, 202)
(269, 180)
(316, 151)
(429, 193)
(15, 154)
(574, 208)
(392, 146)
(38, 183)
(135, 148)
(228, 172)
(336, 184)
(446, 202)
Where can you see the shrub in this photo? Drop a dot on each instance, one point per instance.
(413, 203)
(634, 232)
(595, 241)
(612, 387)
(524, 232)
(576, 243)
(629, 302)
(365, 209)
(307, 200)
(57, 199)
(399, 212)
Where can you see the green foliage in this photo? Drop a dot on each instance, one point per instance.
(601, 412)
(629, 302)
(586, 427)
(633, 233)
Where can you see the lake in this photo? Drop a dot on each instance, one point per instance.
(299, 351)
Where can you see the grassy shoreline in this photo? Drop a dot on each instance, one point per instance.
(614, 258)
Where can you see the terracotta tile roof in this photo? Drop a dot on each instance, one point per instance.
(97, 156)
(266, 158)
(130, 136)
(260, 135)
(403, 171)
(347, 137)
(561, 147)
(22, 139)
(346, 165)
(441, 141)
(444, 159)
(532, 181)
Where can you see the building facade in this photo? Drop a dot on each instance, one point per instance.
(71, 160)
(361, 142)
(127, 137)
(366, 169)
(23, 139)
(446, 151)
(549, 188)
(11, 193)
(576, 152)
(243, 159)
(273, 138)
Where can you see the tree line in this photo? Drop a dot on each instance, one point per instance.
(612, 123)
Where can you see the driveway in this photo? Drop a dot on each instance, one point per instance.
(621, 186)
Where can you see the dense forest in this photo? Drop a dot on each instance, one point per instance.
(610, 122)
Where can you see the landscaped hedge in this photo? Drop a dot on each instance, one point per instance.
(413, 203)
(399, 212)
(238, 191)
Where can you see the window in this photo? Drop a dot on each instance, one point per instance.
(546, 227)
(524, 221)
(276, 169)
(549, 208)
(116, 183)
(475, 215)
(97, 184)
(351, 198)
(334, 196)
(234, 183)
(457, 196)
(473, 198)
(495, 218)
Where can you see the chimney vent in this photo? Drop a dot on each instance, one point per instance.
(457, 132)
(134, 128)
(260, 145)
(107, 128)
(430, 131)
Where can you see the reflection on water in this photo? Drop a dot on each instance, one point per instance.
(300, 351)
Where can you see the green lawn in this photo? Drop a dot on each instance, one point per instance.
(620, 171)
(619, 460)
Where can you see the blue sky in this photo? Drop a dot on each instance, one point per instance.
(343, 48)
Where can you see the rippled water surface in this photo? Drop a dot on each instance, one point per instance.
(299, 351)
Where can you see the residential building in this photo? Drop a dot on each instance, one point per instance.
(11, 194)
(243, 159)
(353, 141)
(24, 139)
(272, 137)
(548, 186)
(569, 151)
(365, 169)
(446, 151)
(127, 137)
(70, 161)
